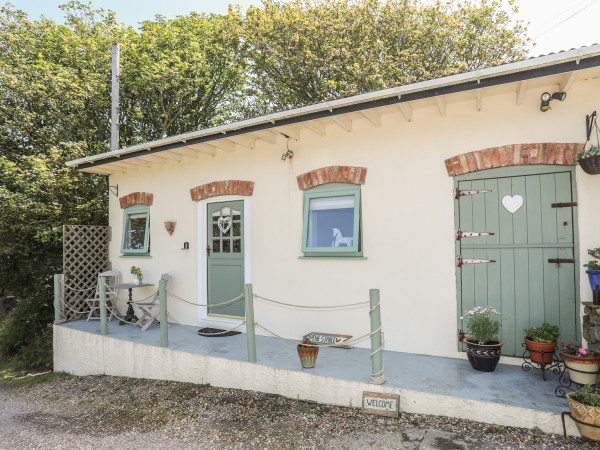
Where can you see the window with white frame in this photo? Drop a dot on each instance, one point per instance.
(332, 223)
(136, 230)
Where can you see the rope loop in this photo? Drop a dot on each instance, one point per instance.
(348, 305)
(200, 304)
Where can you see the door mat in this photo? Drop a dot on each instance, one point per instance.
(216, 332)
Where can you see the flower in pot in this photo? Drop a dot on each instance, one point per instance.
(308, 352)
(541, 342)
(137, 272)
(589, 160)
(583, 364)
(593, 268)
(483, 347)
(585, 408)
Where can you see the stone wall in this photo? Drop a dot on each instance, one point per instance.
(591, 326)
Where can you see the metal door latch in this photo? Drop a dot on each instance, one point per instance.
(207, 250)
(460, 261)
(559, 261)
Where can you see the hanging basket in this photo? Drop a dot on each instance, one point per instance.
(591, 164)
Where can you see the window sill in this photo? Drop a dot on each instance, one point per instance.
(332, 257)
(136, 256)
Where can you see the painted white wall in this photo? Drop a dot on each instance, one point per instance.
(407, 216)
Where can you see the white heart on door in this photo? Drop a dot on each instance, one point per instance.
(512, 204)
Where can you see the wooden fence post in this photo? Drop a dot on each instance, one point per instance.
(102, 305)
(57, 304)
(250, 335)
(376, 347)
(164, 325)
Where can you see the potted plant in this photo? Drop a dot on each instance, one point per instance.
(483, 347)
(541, 341)
(593, 268)
(308, 352)
(585, 407)
(583, 365)
(137, 272)
(589, 160)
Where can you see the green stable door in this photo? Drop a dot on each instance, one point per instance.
(225, 253)
(526, 268)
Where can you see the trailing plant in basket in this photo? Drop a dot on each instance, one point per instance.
(592, 150)
(587, 395)
(575, 349)
(482, 323)
(546, 333)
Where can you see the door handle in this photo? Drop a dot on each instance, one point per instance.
(207, 250)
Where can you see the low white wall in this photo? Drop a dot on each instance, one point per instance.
(80, 353)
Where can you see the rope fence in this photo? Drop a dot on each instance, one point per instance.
(375, 335)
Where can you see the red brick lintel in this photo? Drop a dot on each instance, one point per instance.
(332, 174)
(136, 198)
(227, 187)
(551, 153)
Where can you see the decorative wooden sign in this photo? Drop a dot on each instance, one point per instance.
(381, 404)
(328, 338)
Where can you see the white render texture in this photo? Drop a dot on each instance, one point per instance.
(407, 216)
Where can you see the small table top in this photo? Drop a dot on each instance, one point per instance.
(129, 285)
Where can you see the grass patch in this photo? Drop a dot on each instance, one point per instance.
(11, 375)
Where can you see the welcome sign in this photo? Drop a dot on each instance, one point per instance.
(328, 338)
(381, 404)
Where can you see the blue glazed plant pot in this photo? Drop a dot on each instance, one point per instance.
(484, 357)
(594, 276)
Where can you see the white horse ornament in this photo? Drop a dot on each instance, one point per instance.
(340, 240)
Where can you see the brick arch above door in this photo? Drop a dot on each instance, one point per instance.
(550, 153)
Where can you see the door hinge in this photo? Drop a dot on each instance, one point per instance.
(461, 234)
(459, 193)
(564, 205)
(559, 261)
(460, 261)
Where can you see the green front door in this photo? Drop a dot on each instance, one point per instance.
(225, 258)
(530, 230)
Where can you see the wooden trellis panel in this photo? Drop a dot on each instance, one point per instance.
(85, 254)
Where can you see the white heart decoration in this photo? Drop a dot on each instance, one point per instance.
(512, 204)
(224, 224)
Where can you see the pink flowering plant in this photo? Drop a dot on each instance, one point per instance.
(308, 342)
(575, 349)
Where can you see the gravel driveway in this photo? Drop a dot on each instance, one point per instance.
(111, 412)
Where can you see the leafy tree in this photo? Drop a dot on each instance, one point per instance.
(307, 51)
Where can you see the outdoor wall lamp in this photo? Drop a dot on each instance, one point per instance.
(170, 226)
(546, 98)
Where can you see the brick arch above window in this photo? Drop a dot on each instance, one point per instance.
(332, 174)
(226, 187)
(551, 153)
(136, 198)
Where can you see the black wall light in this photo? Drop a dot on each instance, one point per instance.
(546, 98)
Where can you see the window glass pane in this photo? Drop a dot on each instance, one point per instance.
(226, 246)
(236, 229)
(216, 246)
(331, 221)
(237, 246)
(135, 231)
(216, 232)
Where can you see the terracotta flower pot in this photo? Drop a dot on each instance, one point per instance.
(308, 356)
(484, 357)
(587, 414)
(586, 369)
(536, 349)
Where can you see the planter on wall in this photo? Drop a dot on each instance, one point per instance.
(590, 165)
(585, 370)
(308, 356)
(536, 349)
(586, 414)
(484, 357)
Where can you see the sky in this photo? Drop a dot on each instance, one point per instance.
(553, 24)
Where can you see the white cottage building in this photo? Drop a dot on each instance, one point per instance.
(319, 204)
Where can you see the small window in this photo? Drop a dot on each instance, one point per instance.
(332, 221)
(136, 230)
